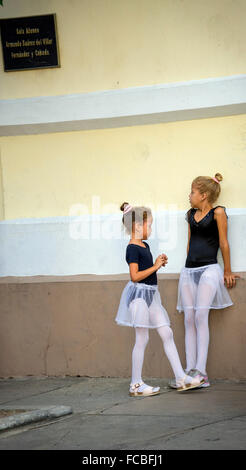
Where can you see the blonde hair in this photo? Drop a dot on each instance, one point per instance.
(137, 214)
(206, 184)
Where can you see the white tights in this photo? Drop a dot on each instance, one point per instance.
(196, 339)
(196, 323)
(142, 338)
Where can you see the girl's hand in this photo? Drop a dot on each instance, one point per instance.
(230, 278)
(159, 261)
(165, 259)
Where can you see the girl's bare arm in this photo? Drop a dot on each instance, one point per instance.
(221, 219)
(137, 275)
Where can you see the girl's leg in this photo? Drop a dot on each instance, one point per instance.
(206, 291)
(169, 346)
(170, 349)
(188, 293)
(142, 338)
(190, 338)
(166, 334)
(202, 339)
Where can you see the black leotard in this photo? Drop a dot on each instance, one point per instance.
(142, 256)
(204, 240)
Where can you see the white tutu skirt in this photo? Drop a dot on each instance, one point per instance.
(202, 287)
(140, 306)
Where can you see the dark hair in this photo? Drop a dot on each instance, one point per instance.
(137, 214)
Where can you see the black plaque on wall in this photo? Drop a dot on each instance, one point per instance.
(29, 42)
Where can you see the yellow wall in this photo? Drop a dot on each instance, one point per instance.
(107, 44)
(45, 174)
(110, 44)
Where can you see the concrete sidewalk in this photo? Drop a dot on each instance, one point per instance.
(104, 417)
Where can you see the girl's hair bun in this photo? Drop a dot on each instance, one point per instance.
(122, 207)
(218, 176)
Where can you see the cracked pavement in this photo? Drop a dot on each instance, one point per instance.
(106, 418)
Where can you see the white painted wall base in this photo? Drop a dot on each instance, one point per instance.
(49, 246)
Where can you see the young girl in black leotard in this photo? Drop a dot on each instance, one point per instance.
(201, 283)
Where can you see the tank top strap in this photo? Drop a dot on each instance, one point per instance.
(222, 207)
(189, 213)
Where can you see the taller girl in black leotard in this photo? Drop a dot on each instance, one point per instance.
(201, 283)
